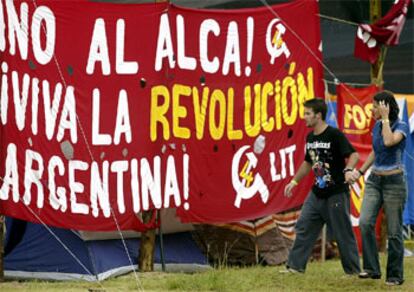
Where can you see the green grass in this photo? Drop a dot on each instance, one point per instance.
(319, 276)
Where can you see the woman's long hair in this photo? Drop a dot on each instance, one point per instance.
(389, 99)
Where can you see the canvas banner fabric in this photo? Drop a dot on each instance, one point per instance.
(108, 110)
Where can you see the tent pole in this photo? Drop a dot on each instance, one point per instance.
(161, 241)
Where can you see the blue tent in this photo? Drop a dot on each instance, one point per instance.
(331, 119)
(409, 167)
(41, 255)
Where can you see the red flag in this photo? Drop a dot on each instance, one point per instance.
(354, 115)
(385, 31)
(355, 120)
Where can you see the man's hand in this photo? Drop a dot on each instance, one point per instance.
(349, 178)
(288, 189)
(355, 175)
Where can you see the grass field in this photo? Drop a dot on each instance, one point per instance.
(319, 276)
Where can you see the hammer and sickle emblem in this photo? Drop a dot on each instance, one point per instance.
(275, 44)
(248, 186)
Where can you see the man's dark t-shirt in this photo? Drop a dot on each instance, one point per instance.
(326, 153)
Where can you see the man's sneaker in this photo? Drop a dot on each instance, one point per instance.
(394, 282)
(288, 270)
(366, 275)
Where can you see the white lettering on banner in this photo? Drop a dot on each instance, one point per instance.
(100, 189)
(122, 125)
(20, 100)
(231, 54)
(27, 89)
(32, 177)
(35, 104)
(51, 107)
(250, 183)
(57, 198)
(288, 151)
(18, 30)
(207, 26)
(120, 167)
(164, 44)
(149, 186)
(68, 117)
(122, 66)
(11, 175)
(43, 14)
(2, 29)
(99, 52)
(43, 21)
(77, 187)
(184, 62)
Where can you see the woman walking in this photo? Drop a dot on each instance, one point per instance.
(385, 187)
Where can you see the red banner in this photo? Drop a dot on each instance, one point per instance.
(355, 117)
(355, 120)
(108, 110)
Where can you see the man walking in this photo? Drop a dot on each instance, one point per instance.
(332, 159)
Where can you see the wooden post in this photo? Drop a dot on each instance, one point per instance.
(376, 68)
(147, 246)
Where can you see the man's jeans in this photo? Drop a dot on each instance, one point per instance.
(315, 212)
(391, 192)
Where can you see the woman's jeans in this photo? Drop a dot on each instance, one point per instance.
(390, 192)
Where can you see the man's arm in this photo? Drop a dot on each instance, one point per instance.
(351, 163)
(302, 171)
(357, 173)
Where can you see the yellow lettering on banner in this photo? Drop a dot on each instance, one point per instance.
(289, 84)
(347, 116)
(361, 117)
(368, 113)
(231, 133)
(180, 111)
(158, 112)
(200, 110)
(275, 104)
(217, 97)
(267, 123)
(305, 93)
(252, 130)
(278, 109)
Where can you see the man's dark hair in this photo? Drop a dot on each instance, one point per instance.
(317, 105)
(388, 98)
